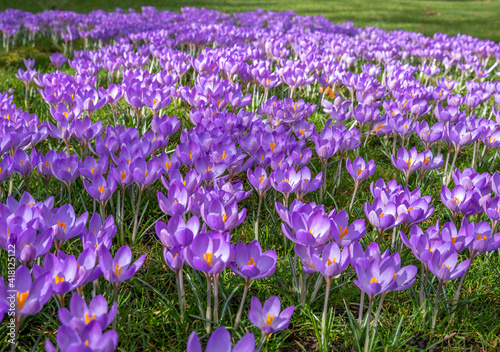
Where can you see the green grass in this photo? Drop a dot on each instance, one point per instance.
(478, 18)
(148, 310)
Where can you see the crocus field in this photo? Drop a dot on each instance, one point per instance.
(259, 181)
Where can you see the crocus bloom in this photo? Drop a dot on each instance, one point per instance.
(79, 315)
(344, 233)
(250, 263)
(443, 264)
(177, 232)
(359, 170)
(222, 218)
(30, 245)
(332, 261)
(64, 273)
(91, 339)
(64, 222)
(121, 267)
(100, 189)
(209, 253)
(220, 341)
(31, 294)
(269, 318)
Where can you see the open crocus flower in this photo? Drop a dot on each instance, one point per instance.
(484, 240)
(457, 201)
(313, 230)
(91, 339)
(177, 232)
(332, 261)
(344, 233)
(31, 295)
(64, 273)
(382, 216)
(407, 161)
(121, 267)
(359, 170)
(222, 218)
(220, 341)
(64, 222)
(269, 318)
(461, 239)
(100, 189)
(374, 278)
(250, 263)
(443, 264)
(209, 253)
(178, 202)
(80, 315)
(30, 245)
(306, 184)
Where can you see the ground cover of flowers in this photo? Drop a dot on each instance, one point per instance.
(255, 181)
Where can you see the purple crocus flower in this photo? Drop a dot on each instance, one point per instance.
(312, 229)
(407, 161)
(91, 339)
(222, 218)
(269, 318)
(344, 233)
(31, 295)
(332, 261)
(220, 341)
(64, 222)
(458, 200)
(64, 273)
(251, 263)
(121, 267)
(178, 202)
(24, 164)
(80, 315)
(30, 245)
(382, 216)
(209, 253)
(66, 168)
(443, 264)
(177, 232)
(100, 189)
(484, 241)
(259, 180)
(359, 170)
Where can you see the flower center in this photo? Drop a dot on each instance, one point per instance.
(58, 279)
(118, 270)
(89, 319)
(208, 257)
(269, 319)
(101, 189)
(224, 217)
(62, 225)
(21, 299)
(374, 280)
(251, 262)
(330, 262)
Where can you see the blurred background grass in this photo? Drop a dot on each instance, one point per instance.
(478, 18)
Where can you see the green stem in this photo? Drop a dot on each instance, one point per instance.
(367, 336)
(436, 301)
(136, 215)
(325, 310)
(240, 310)
(208, 314)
